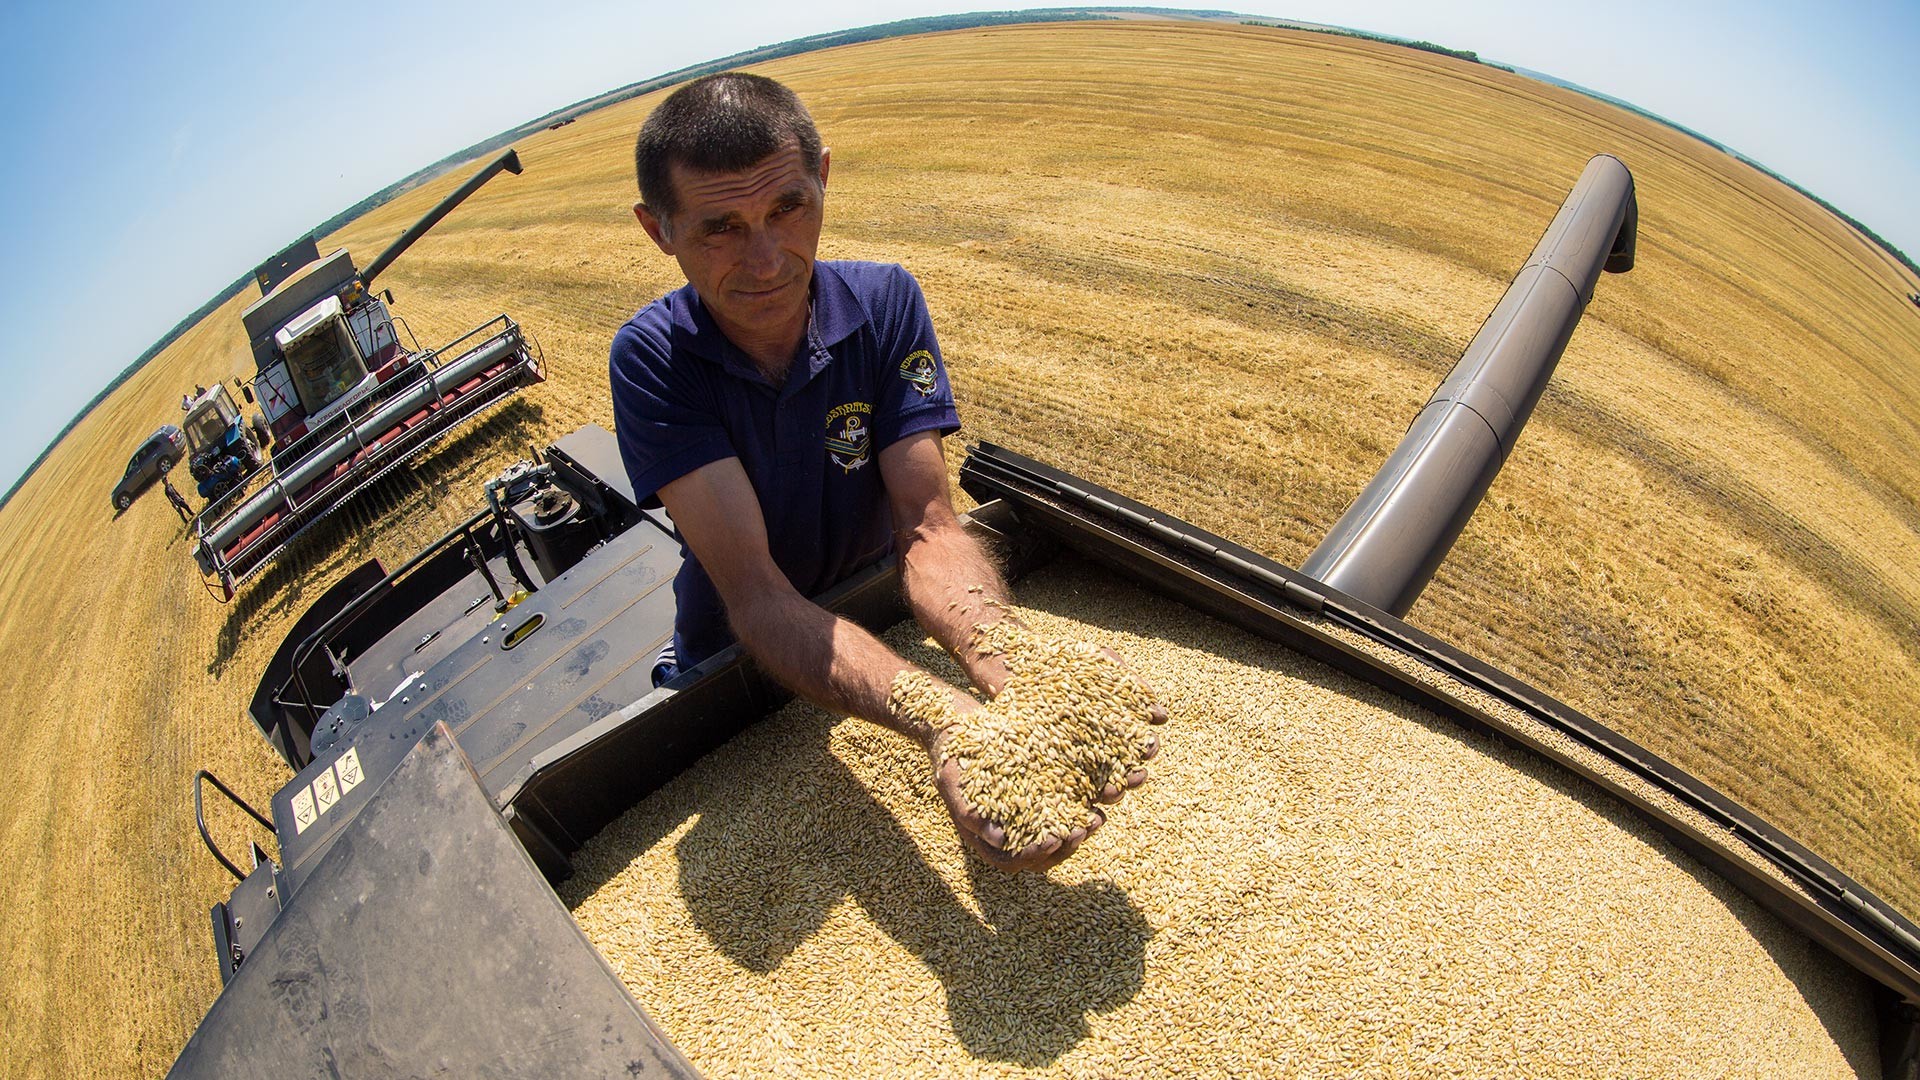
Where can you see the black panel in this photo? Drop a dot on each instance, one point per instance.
(241, 922)
(285, 263)
(505, 697)
(427, 945)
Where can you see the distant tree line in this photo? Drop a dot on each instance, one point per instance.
(1468, 55)
(1899, 255)
(1473, 57)
(1853, 223)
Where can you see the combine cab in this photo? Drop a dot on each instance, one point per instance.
(344, 398)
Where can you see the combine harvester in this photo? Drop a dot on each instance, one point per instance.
(459, 727)
(344, 400)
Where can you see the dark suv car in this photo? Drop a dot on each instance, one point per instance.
(155, 457)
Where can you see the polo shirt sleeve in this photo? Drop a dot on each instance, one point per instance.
(665, 417)
(914, 394)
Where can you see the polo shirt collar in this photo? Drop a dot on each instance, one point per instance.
(837, 313)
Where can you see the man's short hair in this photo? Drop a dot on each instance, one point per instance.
(719, 124)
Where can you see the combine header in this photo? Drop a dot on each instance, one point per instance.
(344, 400)
(496, 688)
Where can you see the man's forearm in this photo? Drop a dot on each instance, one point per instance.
(829, 660)
(953, 587)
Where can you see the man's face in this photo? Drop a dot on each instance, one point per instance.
(746, 242)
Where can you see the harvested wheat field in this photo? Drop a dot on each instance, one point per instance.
(1217, 268)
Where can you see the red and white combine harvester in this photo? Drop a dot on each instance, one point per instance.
(343, 397)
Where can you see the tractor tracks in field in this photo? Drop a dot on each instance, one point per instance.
(1747, 506)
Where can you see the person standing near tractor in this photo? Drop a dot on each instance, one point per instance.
(789, 413)
(178, 500)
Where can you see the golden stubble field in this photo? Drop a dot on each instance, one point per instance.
(1215, 267)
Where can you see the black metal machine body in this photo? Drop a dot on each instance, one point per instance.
(497, 631)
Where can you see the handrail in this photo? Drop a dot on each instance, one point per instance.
(200, 818)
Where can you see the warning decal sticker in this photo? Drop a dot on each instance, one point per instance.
(303, 812)
(349, 769)
(326, 791)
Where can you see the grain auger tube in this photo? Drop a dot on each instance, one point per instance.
(1388, 544)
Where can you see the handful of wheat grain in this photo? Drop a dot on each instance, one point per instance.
(1070, 724)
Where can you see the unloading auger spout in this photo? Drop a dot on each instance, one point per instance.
(509, 161)
(1388, 544)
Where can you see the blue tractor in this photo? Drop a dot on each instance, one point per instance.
(222, 448)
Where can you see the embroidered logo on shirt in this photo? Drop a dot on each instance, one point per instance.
(848, 436)
(918, 370)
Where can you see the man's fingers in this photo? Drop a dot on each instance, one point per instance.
(1040, 848)
(989, 838)
(1079, 836)
(1042, 854)
(1045, 853)
(962, 811)
(993, 835)
(989, 854)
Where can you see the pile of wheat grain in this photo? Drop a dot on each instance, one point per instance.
(1321, 880)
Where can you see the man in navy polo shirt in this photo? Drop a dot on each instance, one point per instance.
(789, 414)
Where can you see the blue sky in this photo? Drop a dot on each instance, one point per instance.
(154, 153)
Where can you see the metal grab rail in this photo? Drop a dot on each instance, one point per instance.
(200, 819)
